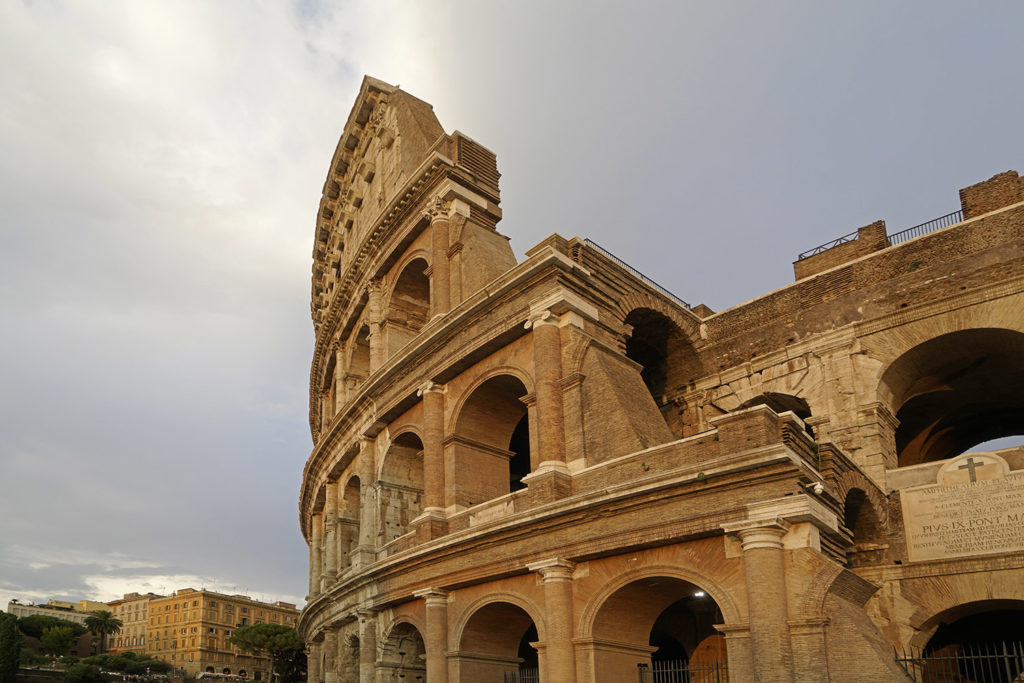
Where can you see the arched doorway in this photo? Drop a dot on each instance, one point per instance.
(409, 308)
(978, 642)
(403, 658)
(497, 646)
(868, 536)
(661, 627)
(400, 488)
(956, 391)
(668, 363)
(491, 444)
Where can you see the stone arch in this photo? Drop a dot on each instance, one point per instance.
(495, 637)
(408, 304)
(531, 608)
(402, 654)
(490, 437)
(349, 504)
(400, 485)
(953, 391)
(730, 610)
(490, 373)
(636, 300)
(930, 630)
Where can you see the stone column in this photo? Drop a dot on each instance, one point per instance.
(550, 480)
(330, 650)
(375, 318)
(331, 532)
(366, 551)
(316, 524)
(437, 213)
(764, 567)
(313, 673)
(561, 655)
(367, 646)
(430, 522)
(436, 637)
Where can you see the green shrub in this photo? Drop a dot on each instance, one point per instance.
(84, 673)
(10, 648)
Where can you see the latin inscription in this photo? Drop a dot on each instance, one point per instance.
(971, 518)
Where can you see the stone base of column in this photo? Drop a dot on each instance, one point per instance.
(549, 483)
(363, 555)
(429, 525)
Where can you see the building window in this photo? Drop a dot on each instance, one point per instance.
(245, 621)
(245, 610)
(213, 603)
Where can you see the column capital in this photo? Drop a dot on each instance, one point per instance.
(429, 387)
(364, 614)
(432, 596)
(538, 318)
(553, 569)
(758, 533)
(437, 209)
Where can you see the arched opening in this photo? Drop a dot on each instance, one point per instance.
(496, 645)
(328, 394)
(403, 657)
(359, 361)
(209, 670)
(664, 626)
(668, 364)
(956, 391)
(978, 641)
(491, 444)
(400, 488)
(348, 672)
(868, 536)
(348, 522)
(409, 309)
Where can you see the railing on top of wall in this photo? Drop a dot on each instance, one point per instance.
(634, 271)
(895, 238)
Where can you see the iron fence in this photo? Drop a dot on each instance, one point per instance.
(636, 272)
(681, 671)
(524, 675)
(968, 663)
(925, 228)
(828, 245)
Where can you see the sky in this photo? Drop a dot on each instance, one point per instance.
(161, 165)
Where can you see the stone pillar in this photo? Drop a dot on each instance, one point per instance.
(436, 637)
(440, 282)
(313, 673)
(316, 524)
(375, 318)
(430, 523)
(366, 552)
(764, 567)
(560, 653)
(367, 646)
(331, 532)
(330, 653)
(550, 480)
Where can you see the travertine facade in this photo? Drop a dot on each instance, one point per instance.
(555, 464)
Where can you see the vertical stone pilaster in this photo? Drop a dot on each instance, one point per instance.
(560, 654)
(764, 568)
(330, 655)
(365, 552)
(367, 646)
(551, 480)
(313, 672)
(437, 212)
(430, 523)
(331, 531)
(316, 552)
(375, 319)
(436, 637)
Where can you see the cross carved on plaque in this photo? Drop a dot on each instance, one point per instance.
(970, 466)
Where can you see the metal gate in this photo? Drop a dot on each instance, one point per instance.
(968, 663)
(681, 671)
(524, 675)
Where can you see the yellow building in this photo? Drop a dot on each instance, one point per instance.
(132, 610)
(190, 630)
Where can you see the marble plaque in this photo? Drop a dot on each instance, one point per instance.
(976, 507)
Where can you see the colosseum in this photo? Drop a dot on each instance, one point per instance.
(554, 470)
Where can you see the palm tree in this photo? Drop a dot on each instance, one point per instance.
(101, 624)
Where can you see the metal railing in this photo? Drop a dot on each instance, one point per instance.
(925, 228)
(682, 671)
(636, 272)
(975, 662)
(524, 675)
(895, 238)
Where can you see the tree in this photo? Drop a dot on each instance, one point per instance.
(57, 640)
(84, 673)
(101, 624)
(33, 626)
(281, 644)
(10, 647)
